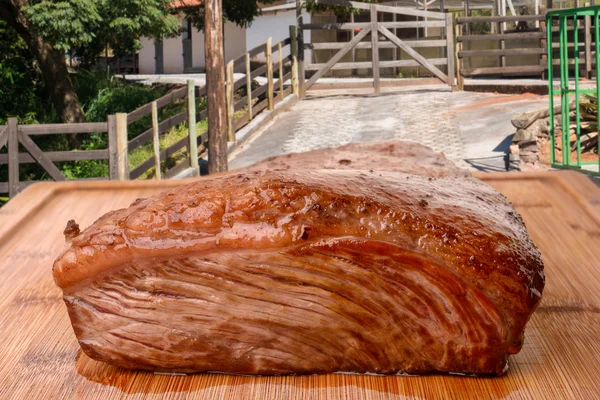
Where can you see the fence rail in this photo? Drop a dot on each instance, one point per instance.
(537, 47)
(14, 135)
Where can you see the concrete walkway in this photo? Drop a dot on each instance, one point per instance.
(472, 129)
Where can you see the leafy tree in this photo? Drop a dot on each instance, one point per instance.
(49, 28)
(21, 94)
(340, 11)
(241, 12)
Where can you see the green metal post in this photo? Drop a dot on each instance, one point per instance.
(577, 116)
(563, 17)
(551, 88)
(564, 85)
(597, 41)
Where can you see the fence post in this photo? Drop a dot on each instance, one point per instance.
(230, 102)
(269, 57)
(375, 49)
(13, 157)
(300, 47)
(193, 136)
(459, 63)
(280, 54)
(450, 49)
(249, 86)
(113, 154)
(156, 140)
(294, 53)
(122, 148)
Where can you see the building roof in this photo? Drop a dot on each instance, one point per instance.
(179, 4)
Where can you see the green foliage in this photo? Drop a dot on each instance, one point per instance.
(85, 27)
(340, 11)
(65, 24)
(21, 93)
(241, 12)
(481, 28)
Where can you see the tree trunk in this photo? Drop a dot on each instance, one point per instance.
(215, 86)
(51, 61)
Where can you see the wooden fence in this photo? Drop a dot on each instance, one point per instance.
(277, 71)
(376, 28)
(13, 135)
(505, 39)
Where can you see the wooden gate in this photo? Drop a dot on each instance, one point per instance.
(376, 29)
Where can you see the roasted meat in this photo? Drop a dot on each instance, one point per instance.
(314, 271)
(390, 155)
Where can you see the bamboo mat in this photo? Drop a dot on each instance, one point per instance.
(40, 357)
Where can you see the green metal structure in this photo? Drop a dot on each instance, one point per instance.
(563, 19)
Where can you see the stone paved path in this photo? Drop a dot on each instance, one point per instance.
(472, 129)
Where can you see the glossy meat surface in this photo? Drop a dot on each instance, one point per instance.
(318, 271)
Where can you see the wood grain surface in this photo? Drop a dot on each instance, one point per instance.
(40, 357)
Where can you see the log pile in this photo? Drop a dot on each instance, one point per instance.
(533, 132)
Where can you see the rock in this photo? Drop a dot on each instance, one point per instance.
(529, 159)
(514, 149)
(531, 146)
(528, 153)
(523, 135)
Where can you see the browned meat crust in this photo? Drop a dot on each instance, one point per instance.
(315, 271)
(391, 155)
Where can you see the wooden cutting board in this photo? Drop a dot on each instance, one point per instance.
(40, 357)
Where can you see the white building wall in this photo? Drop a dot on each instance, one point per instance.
(235, 41)
(277, 26)
(146, 56)
(173, 55)
(199, 59)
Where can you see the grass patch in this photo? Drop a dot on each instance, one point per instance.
(168, 139)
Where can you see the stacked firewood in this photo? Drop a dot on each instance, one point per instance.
(533, 130)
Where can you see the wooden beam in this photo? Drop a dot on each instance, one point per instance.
(500, 52)
(269, 60)
(382, 44)
(113, 155)
(375, 50)
(192, 132)
(60, 156)
(3, 135)
(294, 56)
(503, 70)
(162, 101)
(458, 61)
(450, 49)
(230, 102)
(13, 157)
(382, 64)
(215, 84)
(57, 129)
(39, 156)
(156, 141)
(501, 18)
(411, 52)
(337, 57)
(249, 86)
(505, 36)
(280, 54)
(300, 30)
(122, 148)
